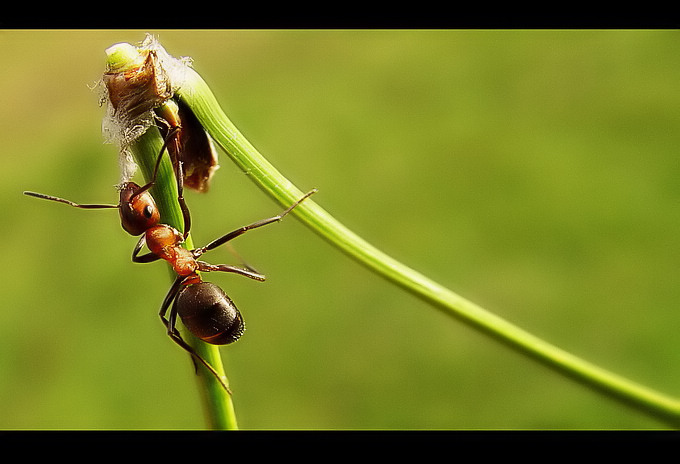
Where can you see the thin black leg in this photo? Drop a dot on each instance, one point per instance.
(146, 258)
(207, 267)
(242, 230)
(173, 333)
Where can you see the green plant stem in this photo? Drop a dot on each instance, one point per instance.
(201, 100)
(218, 405)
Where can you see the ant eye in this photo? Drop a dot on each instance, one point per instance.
(148, 211)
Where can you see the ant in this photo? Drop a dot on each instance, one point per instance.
(204, 308)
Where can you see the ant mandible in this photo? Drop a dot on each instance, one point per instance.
(204, 308)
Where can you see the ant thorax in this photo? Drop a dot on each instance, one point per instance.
(165, 242)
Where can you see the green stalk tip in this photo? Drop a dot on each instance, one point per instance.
(122, 57)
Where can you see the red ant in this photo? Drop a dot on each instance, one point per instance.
(204, 308)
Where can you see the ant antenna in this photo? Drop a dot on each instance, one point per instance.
(166, 142)
(68, 202)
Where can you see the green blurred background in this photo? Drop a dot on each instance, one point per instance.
(533, 172)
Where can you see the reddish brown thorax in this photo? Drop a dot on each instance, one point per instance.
(166, 242)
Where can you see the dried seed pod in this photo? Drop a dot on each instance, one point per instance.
(193, 147)
(135, 90)
(137, 80)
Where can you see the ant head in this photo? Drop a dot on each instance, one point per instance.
(138, 210)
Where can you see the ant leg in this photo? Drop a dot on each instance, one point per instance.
(236, 254)
(207, 267)
(179, 173)
(242, 230)
(173, 128)
(172, 293)
(147, 258)
(173, 134)
(166, 142)
(173, 333)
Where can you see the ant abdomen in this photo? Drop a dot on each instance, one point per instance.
(208, 313)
